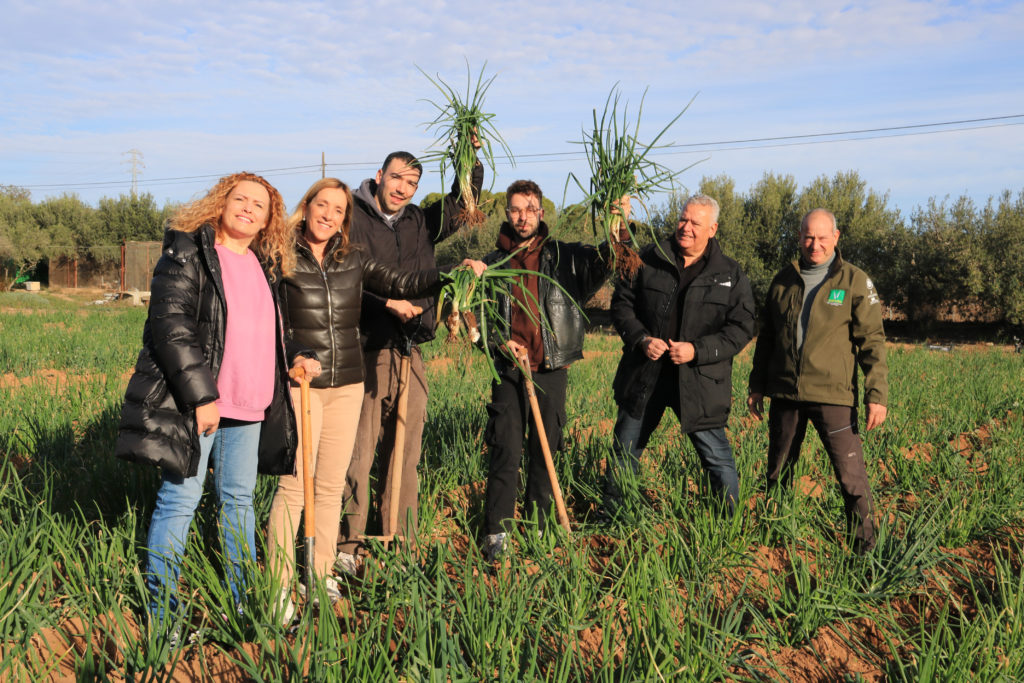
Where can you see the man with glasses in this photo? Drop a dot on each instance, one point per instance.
(544, 322)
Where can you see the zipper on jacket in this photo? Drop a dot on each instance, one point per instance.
(330, 314)
(330, 322)
(832, 270)
(330, 309)
(798, 351)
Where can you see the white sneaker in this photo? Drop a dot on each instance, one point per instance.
(285, 607)
(176, 642)
(331, 587)
(346, 564)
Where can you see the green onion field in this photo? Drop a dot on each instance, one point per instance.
(667, 591)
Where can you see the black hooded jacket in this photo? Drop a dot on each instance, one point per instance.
(408, 243)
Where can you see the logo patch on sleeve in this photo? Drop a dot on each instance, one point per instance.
(836, 297)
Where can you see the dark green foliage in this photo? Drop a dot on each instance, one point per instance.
(65, 226)
(131, 217)
(949, 257)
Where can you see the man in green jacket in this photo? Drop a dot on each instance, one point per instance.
(822, 319)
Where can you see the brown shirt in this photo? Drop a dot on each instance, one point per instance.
(525, 323)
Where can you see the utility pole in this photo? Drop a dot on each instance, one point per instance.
(323, 165)
(137, 166)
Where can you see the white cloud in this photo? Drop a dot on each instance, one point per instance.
(204, 89)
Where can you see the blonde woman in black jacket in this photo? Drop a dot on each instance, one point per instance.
(321, 305)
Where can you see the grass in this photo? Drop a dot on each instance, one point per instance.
(620, 166)
(462, 126)
(473, 303)
(668, 591)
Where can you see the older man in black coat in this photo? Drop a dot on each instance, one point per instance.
(682, 318)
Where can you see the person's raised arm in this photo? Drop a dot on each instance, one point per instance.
(442, 217)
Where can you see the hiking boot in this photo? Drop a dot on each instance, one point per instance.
(494, 547)
(346, 565)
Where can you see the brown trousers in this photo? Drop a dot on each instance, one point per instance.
(837, 427)
(334, 414)
(377, 425)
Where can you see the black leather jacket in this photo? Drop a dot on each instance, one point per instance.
(580, 269)
(182, 350)
(718, 319)
(321, 305)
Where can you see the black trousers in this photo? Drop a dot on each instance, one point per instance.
(837, 427)
(509, 420)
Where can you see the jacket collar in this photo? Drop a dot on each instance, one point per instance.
(332, 244)
(665, 251)
(837, 263)
(180, 245)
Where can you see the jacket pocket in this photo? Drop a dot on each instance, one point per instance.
(717, 294)
(715, 388)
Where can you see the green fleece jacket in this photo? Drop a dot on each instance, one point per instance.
(844, 331)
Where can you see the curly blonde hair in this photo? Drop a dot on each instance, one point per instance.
(297, 220)
(274, 244)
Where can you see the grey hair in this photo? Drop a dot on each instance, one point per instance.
(807, 217)
(704, 200)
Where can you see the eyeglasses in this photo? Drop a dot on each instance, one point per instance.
(529, 211)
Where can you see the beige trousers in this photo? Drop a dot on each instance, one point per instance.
(335, 415)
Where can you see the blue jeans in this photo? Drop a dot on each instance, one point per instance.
(234, 449)
(712, 446)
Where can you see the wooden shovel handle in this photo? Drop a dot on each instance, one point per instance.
(542, 435)
(306, 419)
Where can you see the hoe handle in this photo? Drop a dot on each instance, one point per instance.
(308, 520)
(398, 452)
(542, 435)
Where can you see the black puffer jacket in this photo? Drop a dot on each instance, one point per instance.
(406, 243)
(580, 269)
(718, 319)
(321, 305)
(182, 350)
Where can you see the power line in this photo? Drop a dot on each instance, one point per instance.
(548, 157)
(863, 130)
(802, 143)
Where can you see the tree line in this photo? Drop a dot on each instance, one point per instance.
(947, 258)
(32, 233)
(950, 255)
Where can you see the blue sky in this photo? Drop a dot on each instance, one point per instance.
(206, 88)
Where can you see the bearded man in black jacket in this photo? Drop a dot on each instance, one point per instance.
(682, 318)
(399, 234)
(543, 321)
